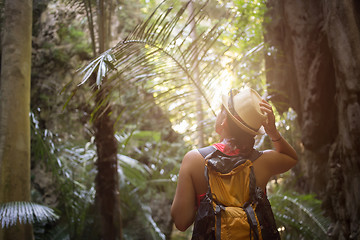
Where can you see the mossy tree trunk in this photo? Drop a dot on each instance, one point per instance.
(313, 66)
(15, 109)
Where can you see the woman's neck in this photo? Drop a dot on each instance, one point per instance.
(232, 145)
(229, 145)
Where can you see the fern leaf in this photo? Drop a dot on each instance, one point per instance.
(300, 213)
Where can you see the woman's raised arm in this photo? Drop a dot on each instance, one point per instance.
(284, 156)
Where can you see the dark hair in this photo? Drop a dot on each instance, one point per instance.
(239, 138)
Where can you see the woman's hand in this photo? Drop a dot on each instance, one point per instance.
(278, 163)
(269, 123)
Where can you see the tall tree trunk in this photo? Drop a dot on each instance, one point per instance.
(314, 63)
(15, 109)
(107, 182)
(103, 23)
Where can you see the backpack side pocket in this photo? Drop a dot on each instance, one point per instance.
(204, 226)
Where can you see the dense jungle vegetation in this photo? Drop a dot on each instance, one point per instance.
(100, 100)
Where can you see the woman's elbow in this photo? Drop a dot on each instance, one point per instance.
(180, 222)
(181, 226)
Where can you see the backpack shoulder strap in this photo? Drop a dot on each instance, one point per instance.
(255, 155)
(205, 151)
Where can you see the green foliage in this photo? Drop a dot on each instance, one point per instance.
(299, 216)
(12, 213)
(134, 177)
(71, 171)
(147, 181)
(141, 181)
(74, 172)
(74, 36)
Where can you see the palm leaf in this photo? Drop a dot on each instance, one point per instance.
(12, 213)
(161, 51)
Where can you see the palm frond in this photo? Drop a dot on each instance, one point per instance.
(101, 65)
(12, 213)
(160, 50)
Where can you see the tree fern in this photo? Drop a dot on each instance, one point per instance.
(12, 213)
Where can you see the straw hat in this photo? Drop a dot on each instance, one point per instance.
(244, 109)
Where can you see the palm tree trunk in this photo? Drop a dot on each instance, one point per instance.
(107, 187)
(15, 109)
(103, 23)
(107, 182)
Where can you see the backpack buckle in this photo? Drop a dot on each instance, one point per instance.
(218, 208)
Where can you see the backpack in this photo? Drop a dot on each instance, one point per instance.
(233, 207)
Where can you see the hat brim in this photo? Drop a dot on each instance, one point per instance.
(225, 101)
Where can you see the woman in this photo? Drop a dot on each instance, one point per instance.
(242, 117)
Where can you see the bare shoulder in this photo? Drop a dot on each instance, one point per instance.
(193, 154)
(192, 161)
(192, 157)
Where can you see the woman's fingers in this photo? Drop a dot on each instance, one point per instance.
(269, 122)
(265, 109)
(265, 104)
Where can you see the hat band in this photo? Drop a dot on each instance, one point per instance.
(234, 113)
